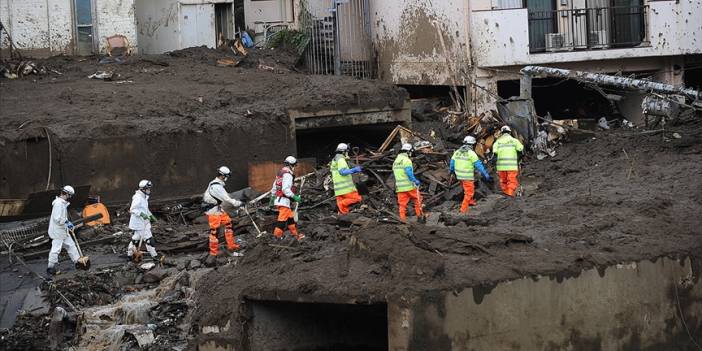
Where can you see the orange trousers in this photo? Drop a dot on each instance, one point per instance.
(468, 191)
(403, 200)
(344, 201)
(286, 217)
(508, 181)
(216, 221)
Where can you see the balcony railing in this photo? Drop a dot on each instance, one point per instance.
(587, 28)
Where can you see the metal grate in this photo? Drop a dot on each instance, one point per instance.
(590, 28)
(339, 37)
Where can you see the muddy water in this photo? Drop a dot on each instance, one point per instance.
(638, 305)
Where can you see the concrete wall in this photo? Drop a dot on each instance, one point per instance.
(407, 37)
(501, 37)
(160, 25)
(624, 307)
(45, 27)
(158, 29)
(256, 13)
(179, 164)
(115, 17)
(38, 27)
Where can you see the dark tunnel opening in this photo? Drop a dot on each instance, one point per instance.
(291, 326)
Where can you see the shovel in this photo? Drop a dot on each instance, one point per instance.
(358, 178)
(423, 218)
(297, 204)
(138, 254)
(83, 261)
(260, 233)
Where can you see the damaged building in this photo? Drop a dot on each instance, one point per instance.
(70, 27)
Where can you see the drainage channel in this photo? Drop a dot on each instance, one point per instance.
(654, 305)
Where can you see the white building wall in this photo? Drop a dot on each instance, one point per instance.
(407, 36)
(38, 27)
(501, 37)
(115, 17)
(158, 28)
(46, 27)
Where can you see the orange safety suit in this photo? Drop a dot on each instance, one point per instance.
(286, 217)
(217, 217)
(403, 199)
(508, 181)
(344, 201)
(216, 221)
(468, 191)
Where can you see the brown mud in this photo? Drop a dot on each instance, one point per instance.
(181, 90)
(619, 197)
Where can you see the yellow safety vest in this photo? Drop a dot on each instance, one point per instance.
(343, 184)
(506, 148)
(464, 159)
(402, 181)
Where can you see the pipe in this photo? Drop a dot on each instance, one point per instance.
(615, 81)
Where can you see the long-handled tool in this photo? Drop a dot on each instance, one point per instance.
(83, 261)
(258, 230)
(297, 204)
(358, 178)
(138, 254)
(420, 203)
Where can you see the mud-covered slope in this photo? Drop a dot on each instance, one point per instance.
(621, 196)
(182, 90)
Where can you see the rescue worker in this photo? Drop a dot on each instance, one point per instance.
(282, 197)
(140, 221)
(217, 217)
(508, 151)
(344, 188)
(59, 225)
(463, 163)
(406, 184)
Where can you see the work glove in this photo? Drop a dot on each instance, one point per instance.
(357, 169)
(417, 182)
(271, 202)
(488, 179)
(144, 216)
(452, 170)
(70, 225)
(235, 203)
(296, 198)
(152, 219)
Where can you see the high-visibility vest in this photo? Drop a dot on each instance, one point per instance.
(506, 148)
(464, 159)
(402, 181)
(343, 184)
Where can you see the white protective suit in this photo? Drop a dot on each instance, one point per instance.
(286, 188)
(215, 191)
(140, 226)
(58, 232)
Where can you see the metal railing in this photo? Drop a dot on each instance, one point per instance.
(339, 37)
(587, 28)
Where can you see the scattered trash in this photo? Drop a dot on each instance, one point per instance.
(602, 123)
(227, 62)
(104, 75)
(147, 266)
(677, 135)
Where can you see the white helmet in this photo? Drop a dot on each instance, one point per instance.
(68, 190)
(224, 171)
(406, 147)
(469, 140)
(342, 147)
(505, 129)
(145, 184)
(290, 161)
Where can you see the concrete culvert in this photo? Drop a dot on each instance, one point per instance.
(278, 325)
